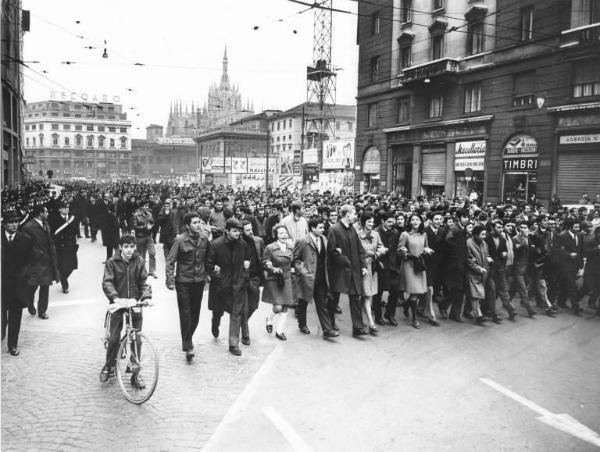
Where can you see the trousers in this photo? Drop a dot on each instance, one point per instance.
(146, 245)
(11, 320)
(42, 298)
(321, 305)
(115, 327)
(189, 301)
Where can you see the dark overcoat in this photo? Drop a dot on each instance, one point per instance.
(389, 269)
(305, 263)
(65, 242)
(230, 284)
(41, 266)
(13, 262)
(111, 231)
(346, 259)
(456, 258)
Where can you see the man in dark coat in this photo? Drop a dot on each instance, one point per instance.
(12, 273)
(346, 265)
(64, 232)
(41, 266)
(94, 212)
(166, 221)
(228, 263)
(310, 262)
(570, 249)
(456, 262)
(256, 275)
(436, 235)
(388, 273)
(78, 209)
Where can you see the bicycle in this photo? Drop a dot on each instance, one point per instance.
(136, 372)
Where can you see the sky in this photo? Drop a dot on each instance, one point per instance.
(181, 45)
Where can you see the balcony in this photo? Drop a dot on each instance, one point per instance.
(586, 34)
(440, 71)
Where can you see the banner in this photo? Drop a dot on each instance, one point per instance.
(286, 162)
(310, 156)
(334, 181)
(338, 154)
(239, 165)
(249, 180)
(258, 165)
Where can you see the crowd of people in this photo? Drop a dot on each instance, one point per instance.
(435, 259)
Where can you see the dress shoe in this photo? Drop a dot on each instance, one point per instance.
(359, 332)
(235, 350)
(373, 330)
(433, 322)
(468, 315)
(246, 340)
(416, 324)
(137, 381)
(44, 316)
(512, 315)
(480, 321)
(497, 320)
(13, 351)
(549, 312)
(215, 329)
(269, 326)
(105, 374)
(391, 321)
(32, 310)
(334, 327)
(189, 355)
(338, 310)
(281, 337)
(304, 329)
(405, 309)
(531, 313)
(380, 322)
(65, 290)
(330, 334)
(456, 319)
(554, 309)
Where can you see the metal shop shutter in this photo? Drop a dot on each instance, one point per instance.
(433, 168)
(578, 172)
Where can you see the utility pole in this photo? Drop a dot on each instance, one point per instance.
(267, 165)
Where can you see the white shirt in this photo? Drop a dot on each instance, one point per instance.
(317, 242)
(10, 237)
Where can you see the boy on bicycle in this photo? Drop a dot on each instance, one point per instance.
(124, 278)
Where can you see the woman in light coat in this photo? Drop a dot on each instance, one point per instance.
(412, 247)
(374, 248)
(478, 264)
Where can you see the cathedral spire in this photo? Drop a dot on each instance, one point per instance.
(225, 76)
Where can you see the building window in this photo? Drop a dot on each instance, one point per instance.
(41, 137)
(53, 114)
(338, 126)
(111, 108)
(350, 126)
(123, 142)
(283, 139)
(101, 139)
(67, 142)
(27, 142)
(89, 128)
(472, 98)
(405, 56)
(55, 139)
(523, 89)
(438, 4)
(78, 127)
(586, 79)
(33, 126)
(101, 128)
(290, 137)
(290, 125)
(372, 115)
(402, 109)
(90, 141)
(26, 127)
(278, 125)
(111, 143)
(272, 127)
(435, 106)
(374, 69)
(54, 126)
(123, 130)
(527, 23)
(437, 46)
(284, 123)
(77, 106)
(78, 141)
(41, 127)
(77, 115)
(33, 140)
(66, 126)
(406, 11)
(112, 129)
(474, 37)
(584, 12)
(375, 24)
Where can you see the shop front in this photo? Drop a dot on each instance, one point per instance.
(433, 172)
(520, 169)
(402, 170)
(371, 168)
(578, 167)
(469, 169)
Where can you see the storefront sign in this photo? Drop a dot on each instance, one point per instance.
(258, 165)
(580, 139)
(338, 154)
(520, 164)
(519, 145)
(469, 154)
(77, 97)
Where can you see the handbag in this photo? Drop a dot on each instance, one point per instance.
(280, 280)
(419, 264)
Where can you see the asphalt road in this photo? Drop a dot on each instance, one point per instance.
(456, 387)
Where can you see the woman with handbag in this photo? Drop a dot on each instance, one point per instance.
(374, 248)
(412, 247)
(277, 263)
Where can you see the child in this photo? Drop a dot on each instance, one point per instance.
(124, 278)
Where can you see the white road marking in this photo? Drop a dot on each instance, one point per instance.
(59, 304)
(235, 411)
(562, 422)
(286, 430)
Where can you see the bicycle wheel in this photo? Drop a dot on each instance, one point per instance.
(137, 362)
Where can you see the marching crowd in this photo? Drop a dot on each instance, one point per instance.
(435, 259)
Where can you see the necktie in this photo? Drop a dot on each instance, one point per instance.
(10, 238)
(318, 243)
